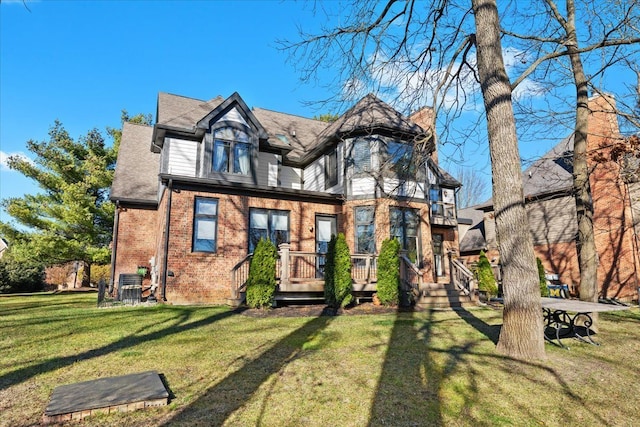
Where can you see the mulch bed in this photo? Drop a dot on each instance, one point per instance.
(316, 310)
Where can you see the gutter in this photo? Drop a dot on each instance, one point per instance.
(165, 261)
(114, 247)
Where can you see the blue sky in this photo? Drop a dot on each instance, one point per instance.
(83, 62)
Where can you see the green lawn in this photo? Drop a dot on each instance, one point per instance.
(224, 368)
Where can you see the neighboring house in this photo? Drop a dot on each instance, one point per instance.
(196, 192)
(552, 211)
(3, 247)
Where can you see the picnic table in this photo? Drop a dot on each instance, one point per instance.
(561, 315)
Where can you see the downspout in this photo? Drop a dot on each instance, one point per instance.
(114, 247)
(165, 261)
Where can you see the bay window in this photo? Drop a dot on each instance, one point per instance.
(365, 230)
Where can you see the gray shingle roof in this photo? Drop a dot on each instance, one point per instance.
(182, 112)
(474, 238)
(552, 172)
(368, 113)
(301, 133)
(137, 168)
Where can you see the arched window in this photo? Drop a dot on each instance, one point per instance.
(231, 151)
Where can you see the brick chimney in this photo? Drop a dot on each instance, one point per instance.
(424, 118)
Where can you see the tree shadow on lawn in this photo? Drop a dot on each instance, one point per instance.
(179, 324)
(411, 390)
(231, 393)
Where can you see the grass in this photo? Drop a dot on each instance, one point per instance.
(223, 368)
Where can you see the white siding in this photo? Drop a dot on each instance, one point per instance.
(291, 177)
(314, 176)
(363, 186)
(182, 157)
(268, 169)
(395, 187)
(234, 116)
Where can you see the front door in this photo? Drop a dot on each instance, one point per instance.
(438, 254)
(325, 228)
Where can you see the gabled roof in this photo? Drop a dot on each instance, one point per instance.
(371, 113)
(136, 175)
(551, 173)
(302, 139)
(301, 133)
(444, 178)
(234, 101)
(474, 238)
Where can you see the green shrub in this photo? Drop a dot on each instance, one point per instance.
(20, 276)
(544, 291)
(389, 272)
(261, 285)
(100, 272)
(338, 286)
(329, 269)
(484, 274)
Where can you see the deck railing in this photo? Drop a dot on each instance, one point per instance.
(305, 268)
(239, 276)
(461, 277)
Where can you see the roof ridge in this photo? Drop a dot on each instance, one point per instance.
(181, 96)
(287, 114)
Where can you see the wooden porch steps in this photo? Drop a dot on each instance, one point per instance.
(443, 295)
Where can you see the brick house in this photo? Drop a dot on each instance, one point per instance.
(552, 211)
(196, 191)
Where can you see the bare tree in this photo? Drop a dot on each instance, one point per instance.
(426, 48)
(555, 48)
(475, 187)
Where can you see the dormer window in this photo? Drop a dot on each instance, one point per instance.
(231, 151)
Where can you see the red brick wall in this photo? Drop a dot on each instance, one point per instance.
(136, 240)
(201, 278)
(613, 226)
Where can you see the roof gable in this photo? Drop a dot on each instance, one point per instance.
(227, 107)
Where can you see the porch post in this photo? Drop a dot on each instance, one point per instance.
(450, 253)
(285, 248)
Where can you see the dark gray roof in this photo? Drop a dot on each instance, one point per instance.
(474, 238)
(371, 113)
(444, 177)
(136, 175)
(553, 172)
(182, 112)
(302, 134)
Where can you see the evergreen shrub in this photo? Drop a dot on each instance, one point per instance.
(544, 291)
(261, 284)
(20, 276)
(338, 286)
(389, 272)
(329, 278)
(484, 274)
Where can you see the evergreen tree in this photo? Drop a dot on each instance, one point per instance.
(71, 218)
(342, 272)
(389, 272)
(486, 279)
(261, 286)
(329, 269)
(544, 291)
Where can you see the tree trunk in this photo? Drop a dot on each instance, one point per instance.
(521, 335)
(586, 245)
